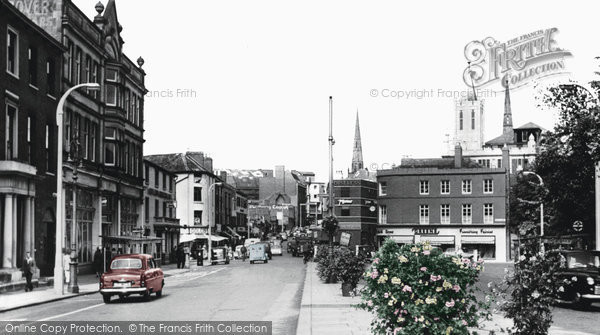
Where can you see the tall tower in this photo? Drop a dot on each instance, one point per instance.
(507, 124)
(357, 158)
(469, 125)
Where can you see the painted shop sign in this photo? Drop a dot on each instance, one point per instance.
(45, 13)
(475, 231)
(426, 231)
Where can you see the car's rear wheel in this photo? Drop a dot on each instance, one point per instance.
(106, 299)
(266, 261)
(159, 293)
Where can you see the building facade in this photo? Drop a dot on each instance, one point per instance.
(356, 210)
(29, 87)
(159, 212)
(452, 202)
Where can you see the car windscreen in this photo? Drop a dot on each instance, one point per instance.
(584, 260)
(126, 263)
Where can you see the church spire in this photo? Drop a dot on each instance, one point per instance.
(357, 158)
(507, 124)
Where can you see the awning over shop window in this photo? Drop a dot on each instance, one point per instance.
(402, 239)
(478, 240)
(438, 240)
(191, 237)
(234, 232)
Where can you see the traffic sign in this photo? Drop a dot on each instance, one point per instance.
(578, 226)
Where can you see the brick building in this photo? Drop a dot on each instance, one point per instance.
(103, 130)
(29, 86)
(452, 202)
(356, 210)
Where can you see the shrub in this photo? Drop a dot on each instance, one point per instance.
(349, 268)
(325, 265)
(416, 289)
(528, 293)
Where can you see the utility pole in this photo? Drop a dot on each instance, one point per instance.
(330, 210)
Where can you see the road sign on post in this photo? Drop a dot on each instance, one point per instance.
(345, 239)
(578, 226)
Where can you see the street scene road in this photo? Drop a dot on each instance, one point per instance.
(237, 291)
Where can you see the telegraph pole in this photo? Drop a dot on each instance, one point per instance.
(330, 210)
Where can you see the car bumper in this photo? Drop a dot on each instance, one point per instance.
(590, 296)
(124, 290)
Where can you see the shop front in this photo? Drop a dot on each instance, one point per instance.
(484, 242)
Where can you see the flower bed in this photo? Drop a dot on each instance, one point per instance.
(416, 289)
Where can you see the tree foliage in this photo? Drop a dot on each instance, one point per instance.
(567, 160)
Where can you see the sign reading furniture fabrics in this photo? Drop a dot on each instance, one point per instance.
(45, 13)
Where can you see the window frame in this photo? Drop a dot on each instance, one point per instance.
(445, 209)
(467, 214)
(491, 191)
(16, 64)
(466, 182)
(488, 218)
(443, 189)
(424, 184)
(424, 214)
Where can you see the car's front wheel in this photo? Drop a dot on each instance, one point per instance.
(106, 299)
(159, 292)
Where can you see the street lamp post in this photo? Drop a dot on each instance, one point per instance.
(58, 266)
(530, 173)
(210, 211)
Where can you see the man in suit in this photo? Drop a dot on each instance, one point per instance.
(28, 271)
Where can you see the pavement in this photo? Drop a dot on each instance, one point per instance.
(324, 310)
(88, 284)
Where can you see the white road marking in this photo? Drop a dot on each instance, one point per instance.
(73, 312)
(204, 274)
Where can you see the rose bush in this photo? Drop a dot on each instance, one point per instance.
(416, 289)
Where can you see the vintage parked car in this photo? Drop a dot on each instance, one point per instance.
(579, 277)
(132, 274)
(219, 255)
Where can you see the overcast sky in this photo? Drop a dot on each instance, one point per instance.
(262, 72)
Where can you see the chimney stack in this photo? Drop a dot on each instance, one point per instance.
(458, 156)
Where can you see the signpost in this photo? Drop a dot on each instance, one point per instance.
(345, 239)
(578, 226)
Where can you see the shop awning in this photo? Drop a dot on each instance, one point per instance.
(234, 232)
(478, 240)
(402, 239)
(191, 237)
(438, 240)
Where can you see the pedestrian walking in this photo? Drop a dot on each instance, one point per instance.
(98, 262)
(28, 265)
(180, 257)
(243, 251)
(67, 265)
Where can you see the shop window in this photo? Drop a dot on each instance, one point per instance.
(424, 214)
(484, 251)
